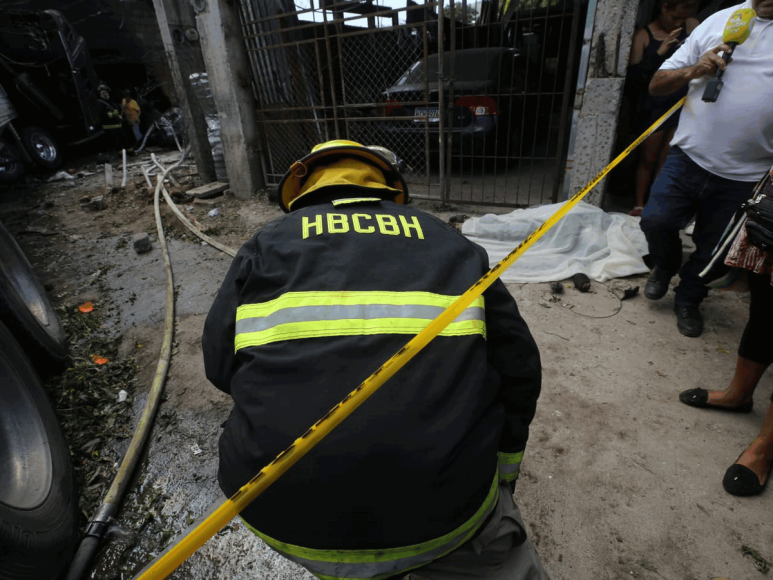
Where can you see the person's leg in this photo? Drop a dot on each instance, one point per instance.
(754, 353)
(137, 133)
(128, 137)
(501, 550)
(747, 374)
(665, 148)
(719, 201)
(115, 138)
(648, 160)
(672, 202)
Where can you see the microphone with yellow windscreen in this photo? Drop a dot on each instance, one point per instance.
(737, 30)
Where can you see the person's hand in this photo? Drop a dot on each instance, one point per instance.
(710, 61)
(669, 42)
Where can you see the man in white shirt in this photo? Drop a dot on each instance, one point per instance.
(718, 153)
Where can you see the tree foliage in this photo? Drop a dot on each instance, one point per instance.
(469, 17)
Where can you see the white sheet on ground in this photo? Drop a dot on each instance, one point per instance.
(588, 240)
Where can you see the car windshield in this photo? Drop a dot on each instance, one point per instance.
(467, 67)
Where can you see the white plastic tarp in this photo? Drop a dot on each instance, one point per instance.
(587, 240)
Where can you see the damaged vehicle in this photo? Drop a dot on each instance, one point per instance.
(47, 91)
(486, 115)
(38, 493)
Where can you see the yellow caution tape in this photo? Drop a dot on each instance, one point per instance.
(212, 522)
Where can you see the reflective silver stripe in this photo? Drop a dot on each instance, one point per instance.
(509, 465)
(356, 312)
(328, 314)
(512, 468)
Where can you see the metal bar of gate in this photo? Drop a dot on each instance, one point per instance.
(256, 58)
(560, 146)
(539, 108)
(441, 102)
(330, 73)
(450, 102)
(548, 150)
(427, 161)
(320, 80)
(339, 32)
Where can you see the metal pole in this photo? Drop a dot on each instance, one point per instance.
(330, 73)
(441, 102)
(451, 73)
(590, 21)
(559, 174)
(427, 158)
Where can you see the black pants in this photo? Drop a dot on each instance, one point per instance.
(115, 139)
(756, 344)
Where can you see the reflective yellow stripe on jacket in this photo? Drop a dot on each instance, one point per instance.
(379, 564)
(509, 465)
(320, 314)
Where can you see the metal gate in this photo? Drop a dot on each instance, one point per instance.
(475, 103)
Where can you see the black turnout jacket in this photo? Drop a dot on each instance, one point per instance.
(417, 459)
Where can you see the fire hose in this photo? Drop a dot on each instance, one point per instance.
(100, 521)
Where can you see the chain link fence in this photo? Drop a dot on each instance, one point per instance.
(476, 117)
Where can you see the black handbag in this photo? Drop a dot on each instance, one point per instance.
(757, 215)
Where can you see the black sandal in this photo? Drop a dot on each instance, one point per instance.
(700, 398)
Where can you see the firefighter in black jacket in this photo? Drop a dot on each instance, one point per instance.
(421, 476)
(110, 116)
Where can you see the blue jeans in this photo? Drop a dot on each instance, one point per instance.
(684, 189)
(137, 132)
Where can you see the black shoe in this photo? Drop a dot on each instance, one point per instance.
(657, 285)
(740, 480)
(688, 320)
(700, 398)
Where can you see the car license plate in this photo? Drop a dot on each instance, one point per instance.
(433, 115)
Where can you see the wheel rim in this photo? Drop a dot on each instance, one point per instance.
(27, 471)
(43, 147)
(8, 164)
(9, 167)
(25, 286)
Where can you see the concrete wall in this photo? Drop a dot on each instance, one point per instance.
(225, 56)
(177, 24)
(599, 103)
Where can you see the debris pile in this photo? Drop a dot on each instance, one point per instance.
(93, 400)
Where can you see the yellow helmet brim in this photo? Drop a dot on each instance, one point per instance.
(323, 168)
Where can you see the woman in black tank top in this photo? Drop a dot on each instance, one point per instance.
(651, 47)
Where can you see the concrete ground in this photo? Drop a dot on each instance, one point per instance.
(619, 480)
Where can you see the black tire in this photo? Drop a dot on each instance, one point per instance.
(42, 147)
(11, 166)
(24, 306)
(38, 495)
